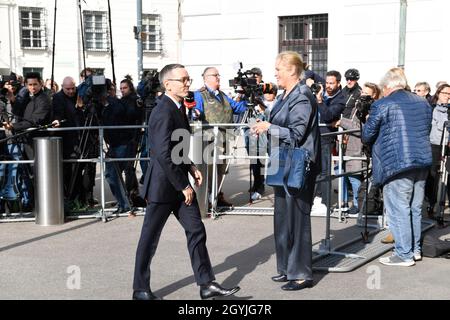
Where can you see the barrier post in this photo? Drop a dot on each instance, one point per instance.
(49, 200)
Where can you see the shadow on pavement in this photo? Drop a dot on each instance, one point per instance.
(46, 236)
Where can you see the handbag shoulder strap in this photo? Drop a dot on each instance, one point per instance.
(311, 117)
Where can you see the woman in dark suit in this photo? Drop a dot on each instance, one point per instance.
(293, 118)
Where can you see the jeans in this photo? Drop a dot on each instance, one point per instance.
(112, 174)
(403, 199)
(17, 182)
(355, 181)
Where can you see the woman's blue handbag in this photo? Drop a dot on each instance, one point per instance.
(289, 168)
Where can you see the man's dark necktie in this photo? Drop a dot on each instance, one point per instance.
(183, 114)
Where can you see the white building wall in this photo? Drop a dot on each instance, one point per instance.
(362, 34)
(68, 53)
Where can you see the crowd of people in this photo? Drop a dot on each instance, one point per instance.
(404, 131)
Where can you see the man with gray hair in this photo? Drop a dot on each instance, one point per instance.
(398, 130)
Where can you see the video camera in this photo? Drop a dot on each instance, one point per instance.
(151, 86)
(245, 83)
(9, 79)
(96, 89)
(362, 105)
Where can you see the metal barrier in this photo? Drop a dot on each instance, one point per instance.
(196, 154)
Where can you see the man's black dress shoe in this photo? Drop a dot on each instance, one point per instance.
(213, 289)
(144, 295)
(280, 278)
(293, 285)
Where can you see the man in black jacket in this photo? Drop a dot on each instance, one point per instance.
(134, 116)
(65, 108)
(33, 111)
(331, 104)
(113, 113)
(167, 190)
(351, 92)
(38, 111)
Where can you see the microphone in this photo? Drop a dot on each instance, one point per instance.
(189, 101)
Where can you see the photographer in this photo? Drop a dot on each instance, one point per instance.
(370, 93)
(440, 105)
(331, 103)
(215, 106)
(113, 113)
(256, 146)
(65, 107)
(134, 116)
(150, 91)
(38, 111)
(33, 109)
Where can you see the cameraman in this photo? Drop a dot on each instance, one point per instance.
(113, 113)
(65, 107)
(440, 105)
(134, 116)
(256, 145)
(150, 91)
(215, 106)
(354, 145)
(331, 103)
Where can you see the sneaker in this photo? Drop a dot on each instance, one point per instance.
(417, 256)
(353, 212)
(122, 210)
(318, 210)
(317, 200)
(388, 239)
(396, 261)
(256, 196)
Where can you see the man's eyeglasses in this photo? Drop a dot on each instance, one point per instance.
(183, 80)
(213, 75)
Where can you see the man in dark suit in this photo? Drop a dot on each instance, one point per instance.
(167, 189)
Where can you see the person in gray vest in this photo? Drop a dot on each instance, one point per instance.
(214, 106)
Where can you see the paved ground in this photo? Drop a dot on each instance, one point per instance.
(47, 262)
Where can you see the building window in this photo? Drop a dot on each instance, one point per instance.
(307, 35)
(151, 33)
(32, 69)
(96, 30)
(32, 28)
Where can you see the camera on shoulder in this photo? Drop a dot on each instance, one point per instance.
(245, 83)
(362, 105)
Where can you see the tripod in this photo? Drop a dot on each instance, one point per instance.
(442, 177)
(247, 117)
(84, 151)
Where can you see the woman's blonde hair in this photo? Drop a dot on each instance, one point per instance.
(294, 59)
